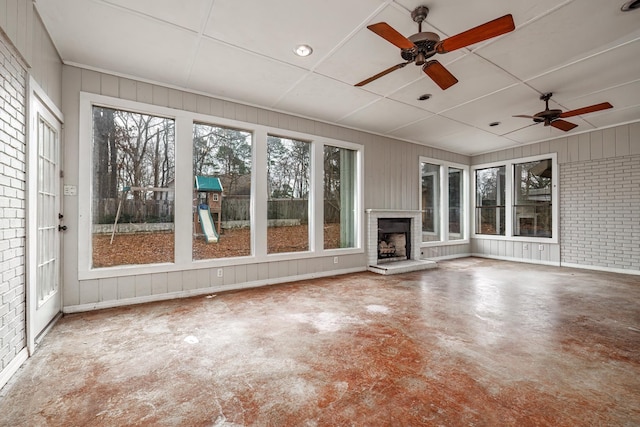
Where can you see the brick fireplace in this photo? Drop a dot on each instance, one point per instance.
(400, 232)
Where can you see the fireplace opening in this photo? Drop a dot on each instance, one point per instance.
(394, 239)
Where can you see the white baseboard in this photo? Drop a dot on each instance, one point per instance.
(605, 269)
(561, 264)
(527, 261)
(203, 291)
(13, 367)
(446, 257)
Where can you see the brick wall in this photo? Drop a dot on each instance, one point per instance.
(12, 204)
(600, 212)
(599, 183)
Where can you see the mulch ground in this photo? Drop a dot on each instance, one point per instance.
(152, 248)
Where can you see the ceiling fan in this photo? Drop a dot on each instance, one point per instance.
(554, 117)
(421, 46)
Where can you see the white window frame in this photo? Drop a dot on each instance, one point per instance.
(444, 201)
(184, 121)
(509, 202)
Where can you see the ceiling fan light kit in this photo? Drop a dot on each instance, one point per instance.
(420, 47)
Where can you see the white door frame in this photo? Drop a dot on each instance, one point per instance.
(36, 95)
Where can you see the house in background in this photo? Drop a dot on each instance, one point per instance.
(86, 107)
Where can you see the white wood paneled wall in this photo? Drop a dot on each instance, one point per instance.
(24, 28)
(391, 181)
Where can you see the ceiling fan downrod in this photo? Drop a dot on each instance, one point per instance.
(419, 14)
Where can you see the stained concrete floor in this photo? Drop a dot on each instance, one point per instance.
(474, 342)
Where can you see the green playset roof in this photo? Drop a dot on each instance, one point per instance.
(208, 183)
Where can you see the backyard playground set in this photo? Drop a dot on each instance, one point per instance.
(208, 202)
(154, 242)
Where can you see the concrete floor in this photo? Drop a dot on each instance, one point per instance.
(474, 342)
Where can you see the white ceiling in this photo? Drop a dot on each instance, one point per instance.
(584, 51)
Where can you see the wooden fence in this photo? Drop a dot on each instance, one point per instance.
(234, 208)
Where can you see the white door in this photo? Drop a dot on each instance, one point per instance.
(44, 228)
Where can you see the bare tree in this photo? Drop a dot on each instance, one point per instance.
(131, 150)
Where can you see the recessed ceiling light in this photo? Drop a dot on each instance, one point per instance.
(303, 50)
(424, 97)
(630, 5)
(494, 124)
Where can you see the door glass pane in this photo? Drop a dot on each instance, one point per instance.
(222, 192)
(133, 188)
(288, 180)
(47, 215)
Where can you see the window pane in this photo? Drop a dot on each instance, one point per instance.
(133, 188)
(430, 189)
(456, 203)
(339, 197)
(222, 192)
(288, 179)
(532, 207)
(490, 201)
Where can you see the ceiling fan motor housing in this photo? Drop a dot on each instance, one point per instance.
(547, 116)
(425, 43)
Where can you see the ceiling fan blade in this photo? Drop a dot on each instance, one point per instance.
(480, 33)
(563, 125)
(440, 75)
(523, 116)
(585, 110)
(382, 73)
(388, 33)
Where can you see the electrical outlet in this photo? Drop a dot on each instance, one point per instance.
(219, 272)
(335, 259)
(541, 247)
(525, 246)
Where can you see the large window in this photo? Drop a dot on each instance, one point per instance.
(430, 199)
(288, 190)
(172, 190)
(443, 201)
(532, 198)
(221, 192)
(490, 200)
(456, 204)
(339, 188)
(516, 198)
(133, 188)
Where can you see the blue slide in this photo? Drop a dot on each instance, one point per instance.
(206, 222)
